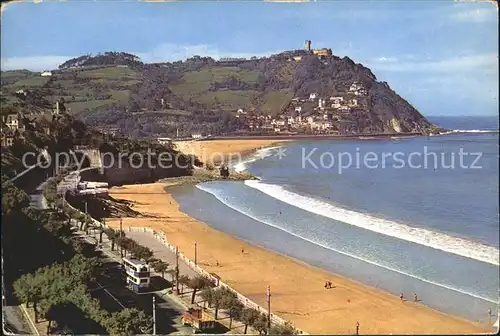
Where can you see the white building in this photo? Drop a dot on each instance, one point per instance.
(12, 121)
(298, 109)
(313, 96)
(196, 135)
(164, 141)
(46, 74)
(321, 103)
(357, 89)
(138, 274)
(353, 102)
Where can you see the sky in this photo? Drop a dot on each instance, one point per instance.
(441, 56)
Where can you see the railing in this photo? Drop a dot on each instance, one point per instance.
(163, 239)
(244, 300)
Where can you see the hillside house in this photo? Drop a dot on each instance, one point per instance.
(164, 141)
(46, 74)
(321, 103)
(7, 139)
(313, 96)
(12, 121)
(353, 103)
(196, 135)
(298, 109)
(357, 88)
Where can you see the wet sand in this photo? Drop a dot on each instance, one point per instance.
(298, 292)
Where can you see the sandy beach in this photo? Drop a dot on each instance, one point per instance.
(214, 151)
(298, 292)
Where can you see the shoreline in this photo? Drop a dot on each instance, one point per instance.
(356, 302)
(303, 300)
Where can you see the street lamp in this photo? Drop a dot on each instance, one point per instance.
(195, 252)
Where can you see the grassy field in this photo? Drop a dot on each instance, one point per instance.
(228, 99)
(80, 106)
(113, 73)
(196, 83)
(165, 112)
(120, 96)
(272, 102)
(30, 82)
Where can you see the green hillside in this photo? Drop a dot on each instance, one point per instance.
(116, 90)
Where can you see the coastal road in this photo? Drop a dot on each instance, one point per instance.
(111, 290)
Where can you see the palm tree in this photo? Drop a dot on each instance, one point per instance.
(199, 282)
(249, 316)
(183, 280)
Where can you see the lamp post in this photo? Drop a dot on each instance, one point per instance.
(268, 309)
(195, 253)
(154, 316)
(121, 236)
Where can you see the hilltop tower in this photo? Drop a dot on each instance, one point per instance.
(307, 44)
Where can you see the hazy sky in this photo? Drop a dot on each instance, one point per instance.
(442, 56)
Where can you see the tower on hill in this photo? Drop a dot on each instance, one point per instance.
(307, 44)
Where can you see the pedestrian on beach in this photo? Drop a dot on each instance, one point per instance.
(489, 312)
(415, 298)
(357, 327)
(401, 296)
(217, 262)
(242, 251)
(326, 284)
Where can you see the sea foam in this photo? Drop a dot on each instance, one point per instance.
(426, 237)
(219, 195)
(258, 155)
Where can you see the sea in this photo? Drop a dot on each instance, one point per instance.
(403, 214)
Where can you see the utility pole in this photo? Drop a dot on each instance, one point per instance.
(268, 309)
(85, 207)
(121, 236)
(177, 270)
(195, 252)
(154, 316)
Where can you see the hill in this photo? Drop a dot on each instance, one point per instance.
(294, 91)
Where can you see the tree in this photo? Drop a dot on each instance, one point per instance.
(232, 305)
(113, 236)
(217, 299)
(283, 329)
(207, 295)
(14, 200)
(161, 267)
(129, 321)
(183, 280)
(249, 316)
(260, 324)
(142, 252)
(199, 282)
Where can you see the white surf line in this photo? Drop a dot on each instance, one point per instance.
(425, 237)
(353, 256)
(260, 154)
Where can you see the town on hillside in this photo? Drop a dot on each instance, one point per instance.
(310, 115)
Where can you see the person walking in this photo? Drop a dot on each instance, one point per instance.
(401, 296)
(415, 298)
(357, 327)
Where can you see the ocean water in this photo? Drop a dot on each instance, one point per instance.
(408, 215)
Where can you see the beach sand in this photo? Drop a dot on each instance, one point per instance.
(298, 292)
(214, 151)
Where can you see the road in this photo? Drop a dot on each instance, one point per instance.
(109, 288)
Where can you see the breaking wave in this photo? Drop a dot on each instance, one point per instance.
(219, 195)
(258, 155)
(429, 238)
